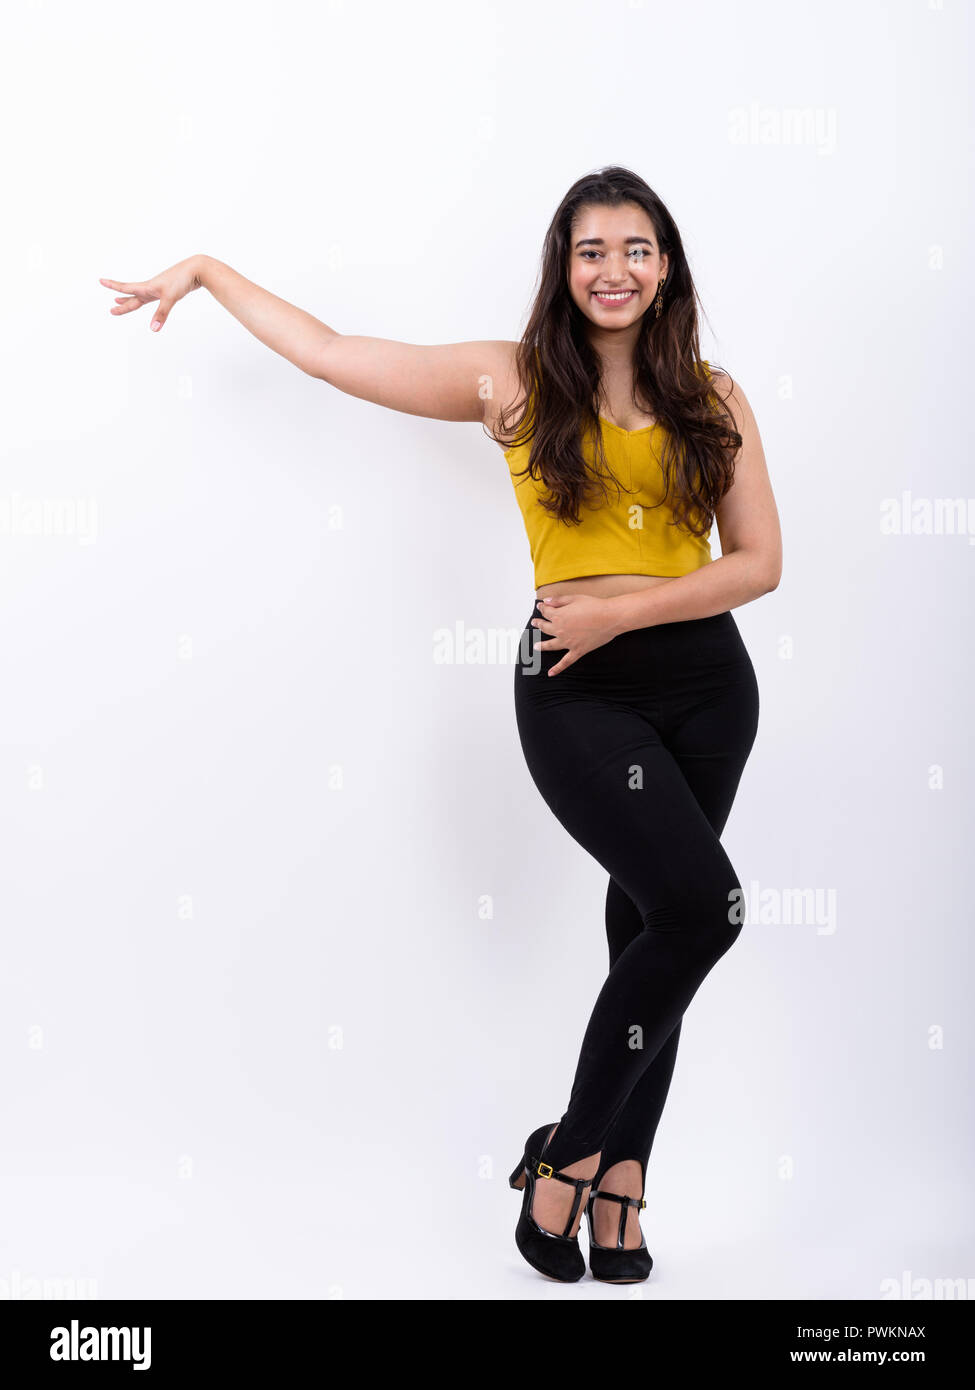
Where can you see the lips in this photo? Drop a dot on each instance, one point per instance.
(614, 296)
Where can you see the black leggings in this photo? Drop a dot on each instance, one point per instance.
(638, 748)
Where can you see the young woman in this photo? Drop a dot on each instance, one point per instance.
(639, 705)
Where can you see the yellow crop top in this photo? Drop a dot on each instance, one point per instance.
(630, 534)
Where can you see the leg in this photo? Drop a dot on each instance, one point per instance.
(619, 792)
(711, 748)
(632, 1135)
(714, 779)
(634, 1131)
(626, 1152)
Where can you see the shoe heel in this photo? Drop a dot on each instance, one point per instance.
(518, 1178)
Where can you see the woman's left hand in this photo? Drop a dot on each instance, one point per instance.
(577, 622)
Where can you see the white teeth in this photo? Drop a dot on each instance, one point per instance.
(621, 294)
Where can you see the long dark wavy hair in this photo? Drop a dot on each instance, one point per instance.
(559, 374)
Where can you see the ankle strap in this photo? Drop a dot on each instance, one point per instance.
(624, 1202)
(616, 1197)
(545, 1170)
(539, 1169)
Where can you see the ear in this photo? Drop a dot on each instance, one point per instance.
(664, 265)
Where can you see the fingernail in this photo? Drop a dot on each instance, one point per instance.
(155, 325)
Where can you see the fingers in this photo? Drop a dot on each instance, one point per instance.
(555, 643)
(161, 314)
(568, 660)
(132, 297)
(140, 289)
(545, 626)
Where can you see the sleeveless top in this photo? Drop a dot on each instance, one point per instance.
(628, 534)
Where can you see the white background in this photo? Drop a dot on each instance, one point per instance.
(183, 673)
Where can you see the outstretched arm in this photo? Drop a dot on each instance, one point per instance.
(452, 381)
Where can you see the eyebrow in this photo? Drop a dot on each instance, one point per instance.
(598, 241)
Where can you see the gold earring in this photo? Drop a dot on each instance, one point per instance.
(659, 301)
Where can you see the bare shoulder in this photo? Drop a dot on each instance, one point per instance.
(728, 390)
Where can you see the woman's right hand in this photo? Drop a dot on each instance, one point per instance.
(168, 287)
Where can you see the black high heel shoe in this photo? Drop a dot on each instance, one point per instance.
(613, 1264)
(557, 1256)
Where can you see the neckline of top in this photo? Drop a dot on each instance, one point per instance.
(645, 429)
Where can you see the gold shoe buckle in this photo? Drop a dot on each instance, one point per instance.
(544, 1170)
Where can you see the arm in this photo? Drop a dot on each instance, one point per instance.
(751, 547)
(453, 381)
(750, 565)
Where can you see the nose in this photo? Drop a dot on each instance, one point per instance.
(616, 269)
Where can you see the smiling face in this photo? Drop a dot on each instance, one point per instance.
(615, 265)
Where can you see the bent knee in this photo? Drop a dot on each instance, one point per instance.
(713, 919)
